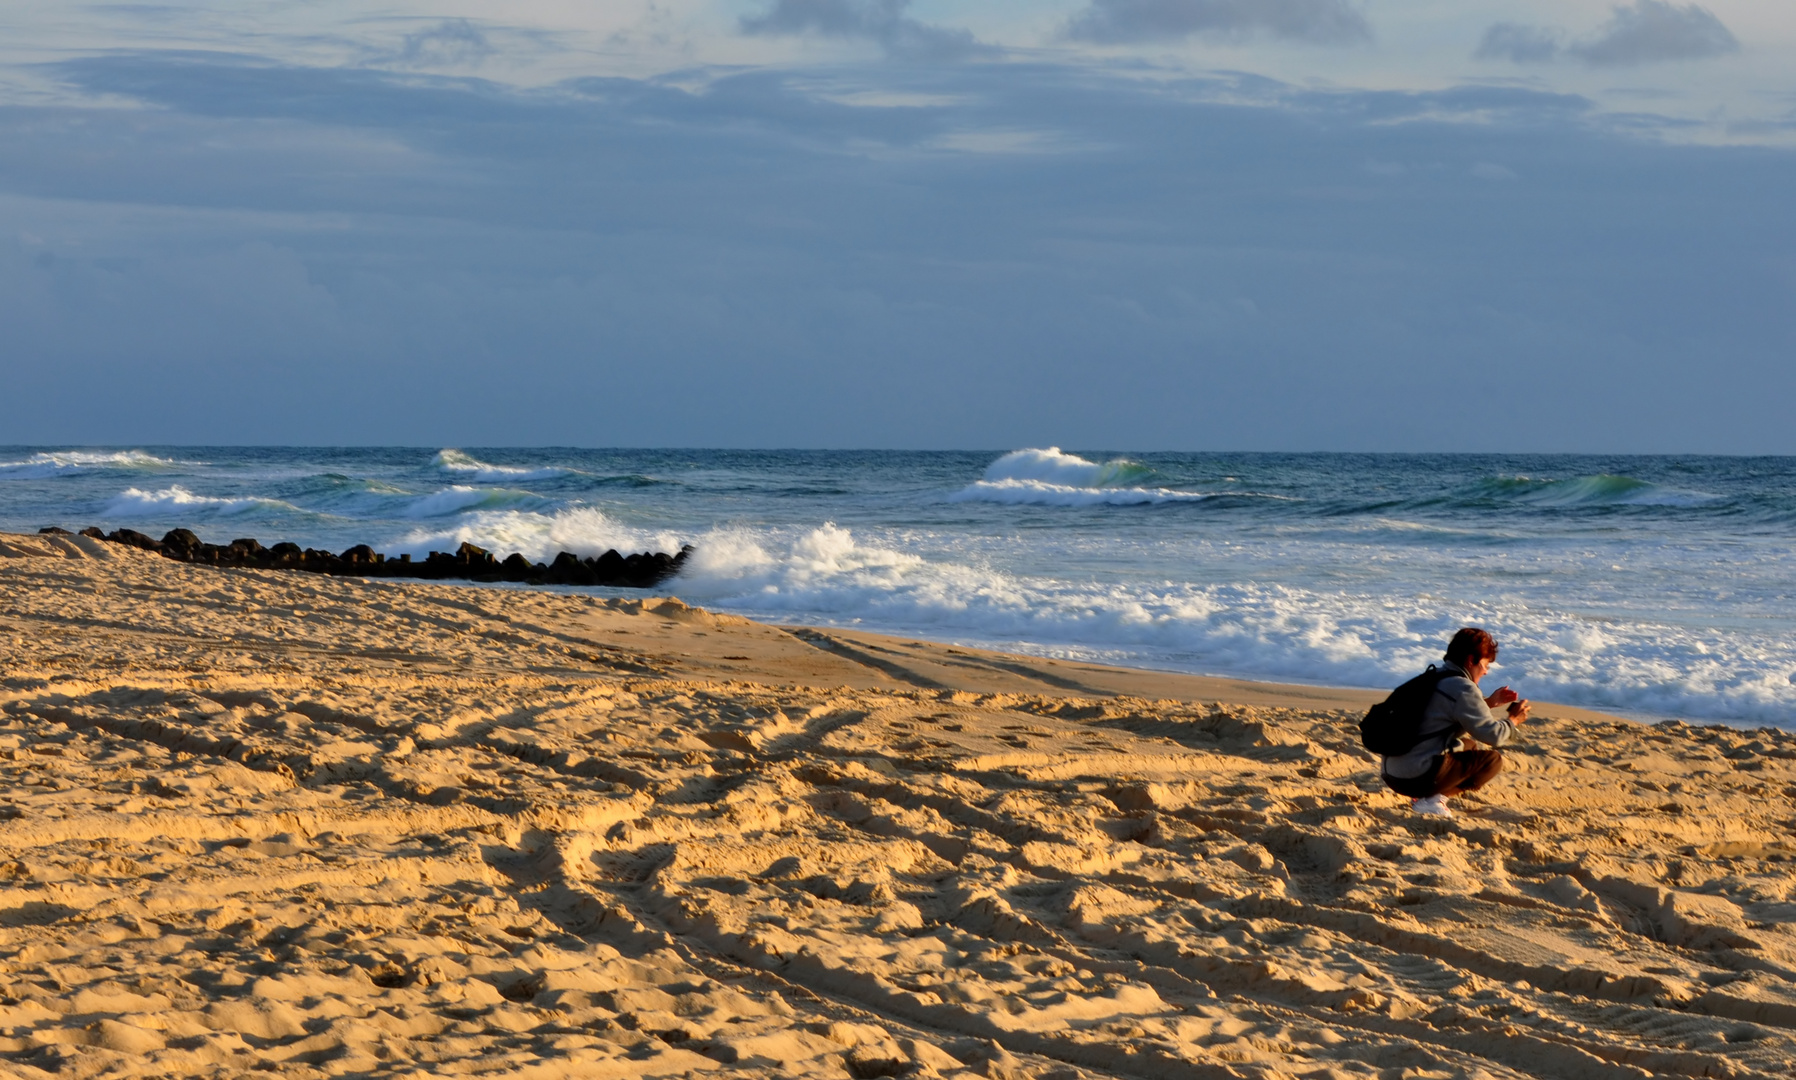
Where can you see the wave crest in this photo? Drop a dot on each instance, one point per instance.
(1041, 493)
(1051, 477)
(1052, 466)
(58, 462)
(1602, 489)
(540, 536)
(137, 503)
(460, 464)
(462, 498)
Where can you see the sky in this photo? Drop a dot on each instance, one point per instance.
(1140, 224)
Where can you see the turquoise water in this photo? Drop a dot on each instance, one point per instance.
(1659, 586)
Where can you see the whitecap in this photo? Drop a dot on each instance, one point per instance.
(1041, 493)
(454, 461)
(1051, 477)
(539, 536)
(59, 462)
(137, 503)
(1052, 466)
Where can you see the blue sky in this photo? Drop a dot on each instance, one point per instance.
(1147, 224)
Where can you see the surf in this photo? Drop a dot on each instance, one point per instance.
(1251, 629)
(538, 535)
(177, 501)
(459, 464)
(61, 462)
(1649, 585)
(1051, 477)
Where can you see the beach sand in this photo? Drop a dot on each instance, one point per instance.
(263, 823)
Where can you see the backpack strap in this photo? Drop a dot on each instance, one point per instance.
(1444, 676)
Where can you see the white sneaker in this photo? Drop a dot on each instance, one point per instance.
(1433, 806)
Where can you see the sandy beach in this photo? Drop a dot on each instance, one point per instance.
(267, 823)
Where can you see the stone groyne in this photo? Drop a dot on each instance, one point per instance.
(469, 563)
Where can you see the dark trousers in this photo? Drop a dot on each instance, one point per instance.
(1462, 770)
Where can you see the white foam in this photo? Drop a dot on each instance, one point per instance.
(54, 463)
(1051, 477)
(1244, 628)
(585, 531)
(1042, 493)
(1051, 466)
(134, 502)
(454, 461)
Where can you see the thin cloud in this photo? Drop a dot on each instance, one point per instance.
(880, 21)
(1518, 44)
(450, 43)
(1644, 32)
(1322, 22)
(1654, 30)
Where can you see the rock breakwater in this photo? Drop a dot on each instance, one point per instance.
(641, 570)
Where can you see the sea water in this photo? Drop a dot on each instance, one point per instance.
(1655, 586)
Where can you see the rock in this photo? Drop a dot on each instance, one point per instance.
(54, 530)
(608, 568)
(93, 531)
(179, 544)
(476, 560)
(569, 569)
(135, 539)
(639, 571)
(361, 557)
(469, 562)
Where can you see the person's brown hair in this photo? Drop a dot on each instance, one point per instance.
(1471, 643)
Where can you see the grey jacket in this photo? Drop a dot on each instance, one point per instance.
(1455, 709)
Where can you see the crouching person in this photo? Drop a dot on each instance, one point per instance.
(1436, 769)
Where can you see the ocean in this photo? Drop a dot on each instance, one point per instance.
(1652, 586)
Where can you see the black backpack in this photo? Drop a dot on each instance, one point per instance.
(1394, 725)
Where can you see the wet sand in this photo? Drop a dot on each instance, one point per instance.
(265, 823)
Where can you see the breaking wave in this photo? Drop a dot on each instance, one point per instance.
(59, 462)
(540, 536)
(173, 500)
(462, 498)
(1245, 628)
(463, 465)
(1051, 466)
(1052, 478)
(1646, 585)
(1039, 493)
